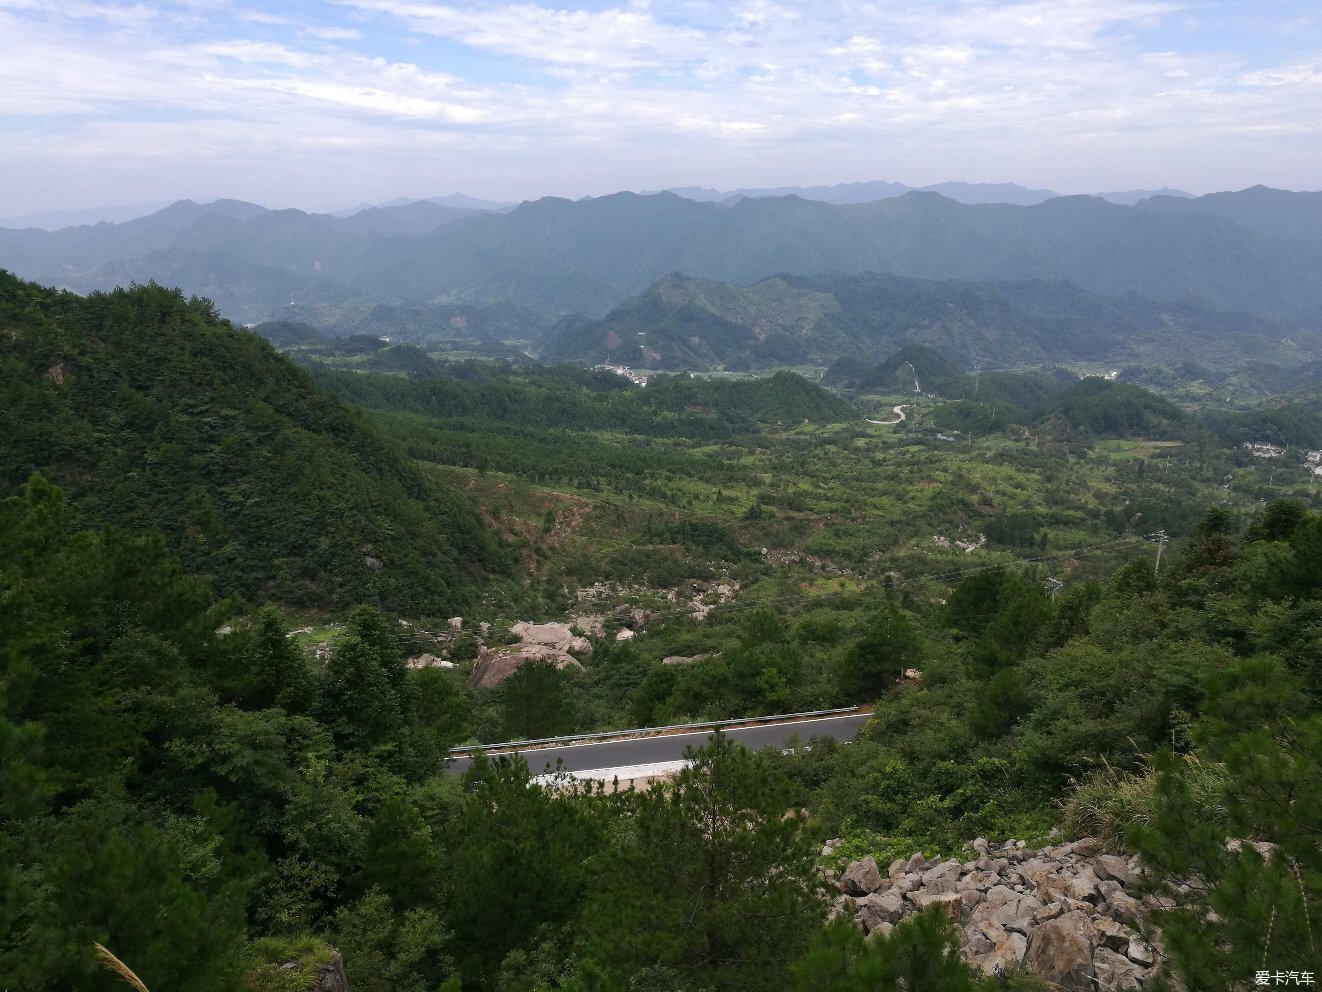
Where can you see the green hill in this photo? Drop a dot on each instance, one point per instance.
(155, 414)
(1114, 409)
(680, 323)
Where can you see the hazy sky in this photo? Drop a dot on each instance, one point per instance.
(321, 105)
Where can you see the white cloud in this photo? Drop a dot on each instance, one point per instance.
(759, 92)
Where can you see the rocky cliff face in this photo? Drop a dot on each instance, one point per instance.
(1067, 913)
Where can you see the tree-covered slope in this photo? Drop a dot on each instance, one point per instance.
(1114, 409)
(155, 414)
(696, 324)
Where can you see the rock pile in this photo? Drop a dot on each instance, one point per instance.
(1065, 912)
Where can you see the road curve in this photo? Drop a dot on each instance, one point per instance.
(670, 747)
(899, 417)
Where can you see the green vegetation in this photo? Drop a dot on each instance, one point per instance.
(842, 320)
(156, 415)
(199, 791)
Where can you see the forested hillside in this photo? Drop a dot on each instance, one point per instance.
(683, 323)
(1075, 605)
(211, 805)
(157, 415)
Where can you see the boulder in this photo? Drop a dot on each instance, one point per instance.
(861, 877)
(1113, 935)
(495, 665)
(1005, 956)
(1124, 908)
(880, 908)
(553, 635)
(1082, 889)
(1112, 867)
(428, 661)
(1140, 952)
(1061, 953)
(1089, 847)
(679, 659)
(949, 901)
(1114, 971)
(331, 977)
(1109, 887)
(939, 885)
(906, 883)
(883, 931)
(945, 870)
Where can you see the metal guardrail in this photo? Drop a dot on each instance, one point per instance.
(645, 731)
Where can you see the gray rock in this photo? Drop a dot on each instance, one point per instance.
(882, 931)
(1141, 952)
(331, 977)
(1124, 908)
(1061, 953)
(1114, 972)
(1113, 867)
(1113, 935)
(861, 877)
(980, 845)
(879, 908)
(940, 885)
(945, 870)
(949, 901)
(906, 883)
(916, 862)
(1008, 954)
(1050, 911)
(1109, 887)
(999, 895)
(990, 931)
(978, 879)
(1089, 847)
(976, 946)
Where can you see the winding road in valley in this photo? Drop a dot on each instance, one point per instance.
(899, 416)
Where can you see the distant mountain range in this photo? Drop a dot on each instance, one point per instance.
(868, 192)
(1257, 251)
(865, 192)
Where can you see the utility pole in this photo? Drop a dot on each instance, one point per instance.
(1161, 539)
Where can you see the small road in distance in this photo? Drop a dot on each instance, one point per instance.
(899, 416)
(670, 747)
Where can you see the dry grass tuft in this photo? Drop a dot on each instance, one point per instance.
(112, 963)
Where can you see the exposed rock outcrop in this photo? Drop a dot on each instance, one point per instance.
(553, 635)
(495, 665)
(331, 977)
(429, 661)
(1063, 912)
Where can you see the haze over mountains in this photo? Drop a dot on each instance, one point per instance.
(1230, 273)
(971, 193)
(863, 192)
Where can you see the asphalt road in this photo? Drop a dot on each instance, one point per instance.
(670, 747)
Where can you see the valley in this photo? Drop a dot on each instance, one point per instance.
(1062, 547)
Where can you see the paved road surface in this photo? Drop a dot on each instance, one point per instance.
(670, 747)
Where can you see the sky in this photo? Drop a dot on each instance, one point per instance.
(323, 105)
